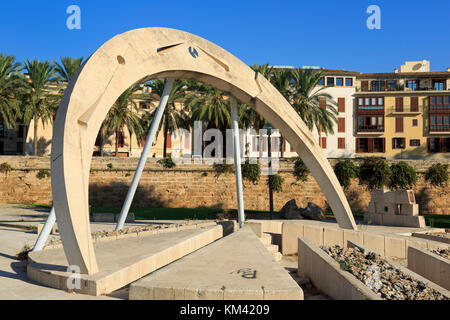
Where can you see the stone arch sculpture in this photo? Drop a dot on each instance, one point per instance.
(145, 54)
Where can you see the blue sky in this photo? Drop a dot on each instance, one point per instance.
(325, 33)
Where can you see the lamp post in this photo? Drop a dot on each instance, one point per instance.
(269, 128)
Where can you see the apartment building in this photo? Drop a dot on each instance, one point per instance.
(404, 114)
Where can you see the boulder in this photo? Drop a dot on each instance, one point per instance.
(294, 214)
(313, 212)
(288, 208)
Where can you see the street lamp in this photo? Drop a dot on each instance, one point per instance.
(269, 128)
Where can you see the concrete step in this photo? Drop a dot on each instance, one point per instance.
(121, 261)
(277, 256)
(266, 239)
(272, 248)
(238, 266)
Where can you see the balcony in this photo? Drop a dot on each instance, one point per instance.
(405, 110)
(439, 129)
(363, 129)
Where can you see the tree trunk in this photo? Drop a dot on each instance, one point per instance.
(165, 142)
(117, 143)
(35, 140)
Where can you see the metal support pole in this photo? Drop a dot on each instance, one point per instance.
(269, 155)
(237, 161)
(148, 145)
(45, 233)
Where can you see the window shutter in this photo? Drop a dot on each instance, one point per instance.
(358, 148)
(370, 145)
(399, 104)
(341, 124)
(341, 104)
(322, 102)
(364, 85)
(384, 144)
(429, 144)
(399, 124)
(284, 144)
(414, 103)
(341, 143)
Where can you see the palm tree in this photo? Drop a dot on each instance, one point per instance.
(40, 101)
(315, 107)
(174, 117)
(123, 113)
(11, 87)
(67, 68)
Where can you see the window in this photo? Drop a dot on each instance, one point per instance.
(340, 82)
(330, 81)
(321, 81)
(378, 145)
(438, 144)
(392, 85)
(398, 143)
(169, 141)
(349, 82)
(440, 122)
(144, 105)
(372, 103)
(412, 84)
(440, 102)
(414, 104)
(369, 145)
(415, 122)
(341, 104)
(2, 130)
(414, 143)
(438, 85)
(370, 123)
(399, 104)
(398, 124)
(341, 143)
(324, 142)
(378, 85)
(341, 124)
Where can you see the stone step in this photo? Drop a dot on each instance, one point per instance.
(266, 239)
(238, 266)
(120, 261)
(277, 256)
(272, 248)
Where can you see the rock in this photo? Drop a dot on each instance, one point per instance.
(313, 212)
(287, 211)
(294, 214)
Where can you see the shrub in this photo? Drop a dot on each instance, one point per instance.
(403, 176)
(109, 165)
(167, 163)
(5, 167)
(301, 171)
(223, 168)
(374, 173)
(43, 174)
(251, 171)
(277, 183)
(437, 175)
(23, 253)
(345, 170)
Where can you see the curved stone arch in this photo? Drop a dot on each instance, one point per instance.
(145, 54)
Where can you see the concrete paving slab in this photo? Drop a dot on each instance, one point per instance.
(238, 266)
(120, 261)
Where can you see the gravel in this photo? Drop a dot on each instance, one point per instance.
(381, 277)
(445, 253)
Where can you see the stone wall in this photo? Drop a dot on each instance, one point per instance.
(191, 186)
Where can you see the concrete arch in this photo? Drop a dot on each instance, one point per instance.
(145, 54)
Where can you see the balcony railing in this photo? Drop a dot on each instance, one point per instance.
(440, 128)
(406, 109)
(375, 129)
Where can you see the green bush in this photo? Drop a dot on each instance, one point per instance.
(403, 176)
(43, 174)
(277, 183)
(374, 173)
(109, 165)
(301, 171)
(167, 163)
(437, 175)
(251, 171)
(223, 168)
(5, 167)
(346, 170)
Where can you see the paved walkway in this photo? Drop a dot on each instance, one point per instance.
(238, 266)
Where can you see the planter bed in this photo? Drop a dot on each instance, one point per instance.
(386, 279)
